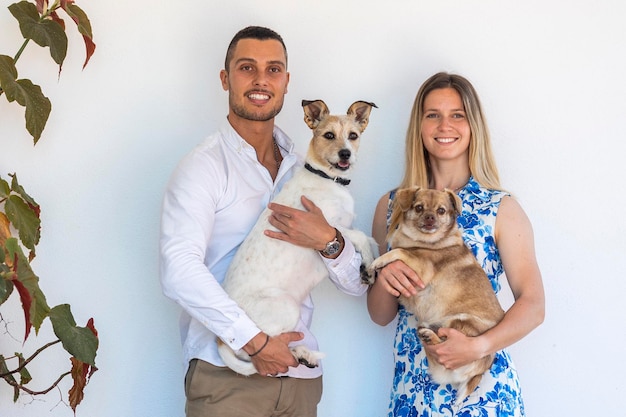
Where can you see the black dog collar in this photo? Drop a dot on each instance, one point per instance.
(342, 181)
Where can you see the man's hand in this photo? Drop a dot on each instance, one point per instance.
(307, 228)
(276, 357)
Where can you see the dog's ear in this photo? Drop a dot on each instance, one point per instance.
(401, 204)
(405, 197)
(314, 111)
(361, 110)
(455, 201)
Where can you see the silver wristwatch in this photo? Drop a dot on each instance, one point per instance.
(333, 246)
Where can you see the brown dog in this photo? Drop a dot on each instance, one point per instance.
(458, 293)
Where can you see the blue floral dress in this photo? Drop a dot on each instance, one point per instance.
(413, 393)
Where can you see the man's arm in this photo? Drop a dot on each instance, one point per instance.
(309, 228)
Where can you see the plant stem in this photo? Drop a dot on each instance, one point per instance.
(27, 361)
(31, 392)
(19, 53)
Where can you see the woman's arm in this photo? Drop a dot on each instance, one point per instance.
(393, 279)
(515, 241)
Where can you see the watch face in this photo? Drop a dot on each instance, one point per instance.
(332, 247)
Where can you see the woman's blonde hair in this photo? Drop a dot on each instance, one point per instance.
(481, 160)
(482, 164)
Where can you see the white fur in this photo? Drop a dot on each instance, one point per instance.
(270, 278)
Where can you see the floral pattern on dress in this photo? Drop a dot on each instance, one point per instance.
(413, 393)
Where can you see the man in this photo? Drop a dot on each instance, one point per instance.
(213, 199)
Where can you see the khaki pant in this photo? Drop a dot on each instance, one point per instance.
(214, 391)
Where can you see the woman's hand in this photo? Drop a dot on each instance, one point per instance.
(398, 279)
(456, 350)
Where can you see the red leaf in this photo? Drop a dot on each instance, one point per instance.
(25, 297)
(58, 19)
(91, 327)
(90, 48)
(40, 6)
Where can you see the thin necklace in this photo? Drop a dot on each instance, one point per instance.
(277, 156)
(456, 190)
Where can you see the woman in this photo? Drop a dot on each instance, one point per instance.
(448, 146)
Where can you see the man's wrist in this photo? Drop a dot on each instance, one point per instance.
(256, 352)
(256, 344)
(334, 247)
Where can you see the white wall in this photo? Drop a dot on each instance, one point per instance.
(551, 77)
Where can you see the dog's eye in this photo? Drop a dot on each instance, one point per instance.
(329, 135)
(419, 208)
(441, 211)
(353, 136)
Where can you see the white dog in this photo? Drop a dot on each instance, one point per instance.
(269, 278)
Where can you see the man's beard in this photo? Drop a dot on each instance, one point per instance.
(242, 112)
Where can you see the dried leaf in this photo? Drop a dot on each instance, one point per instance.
(5, 231)
(79, 375)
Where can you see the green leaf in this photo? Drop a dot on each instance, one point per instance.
(25, 219)
(80, 18)
(4, 189)
(17, 188)
(37, 105)
(80, 342)
(39, 309)
(9, 377)
(6, 289)
(27, 94)
(25, 376)
(44, 32)
(8, 72)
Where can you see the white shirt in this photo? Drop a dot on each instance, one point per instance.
(212, 201)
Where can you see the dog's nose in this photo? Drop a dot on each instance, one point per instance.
(345, 154)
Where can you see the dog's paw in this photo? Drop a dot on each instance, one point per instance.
(428, 336)
(306, 363)
(308, 358)
(368, 276)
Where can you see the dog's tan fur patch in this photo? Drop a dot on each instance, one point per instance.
(458, 293)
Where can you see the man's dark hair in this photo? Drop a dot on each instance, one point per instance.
(252, 32)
